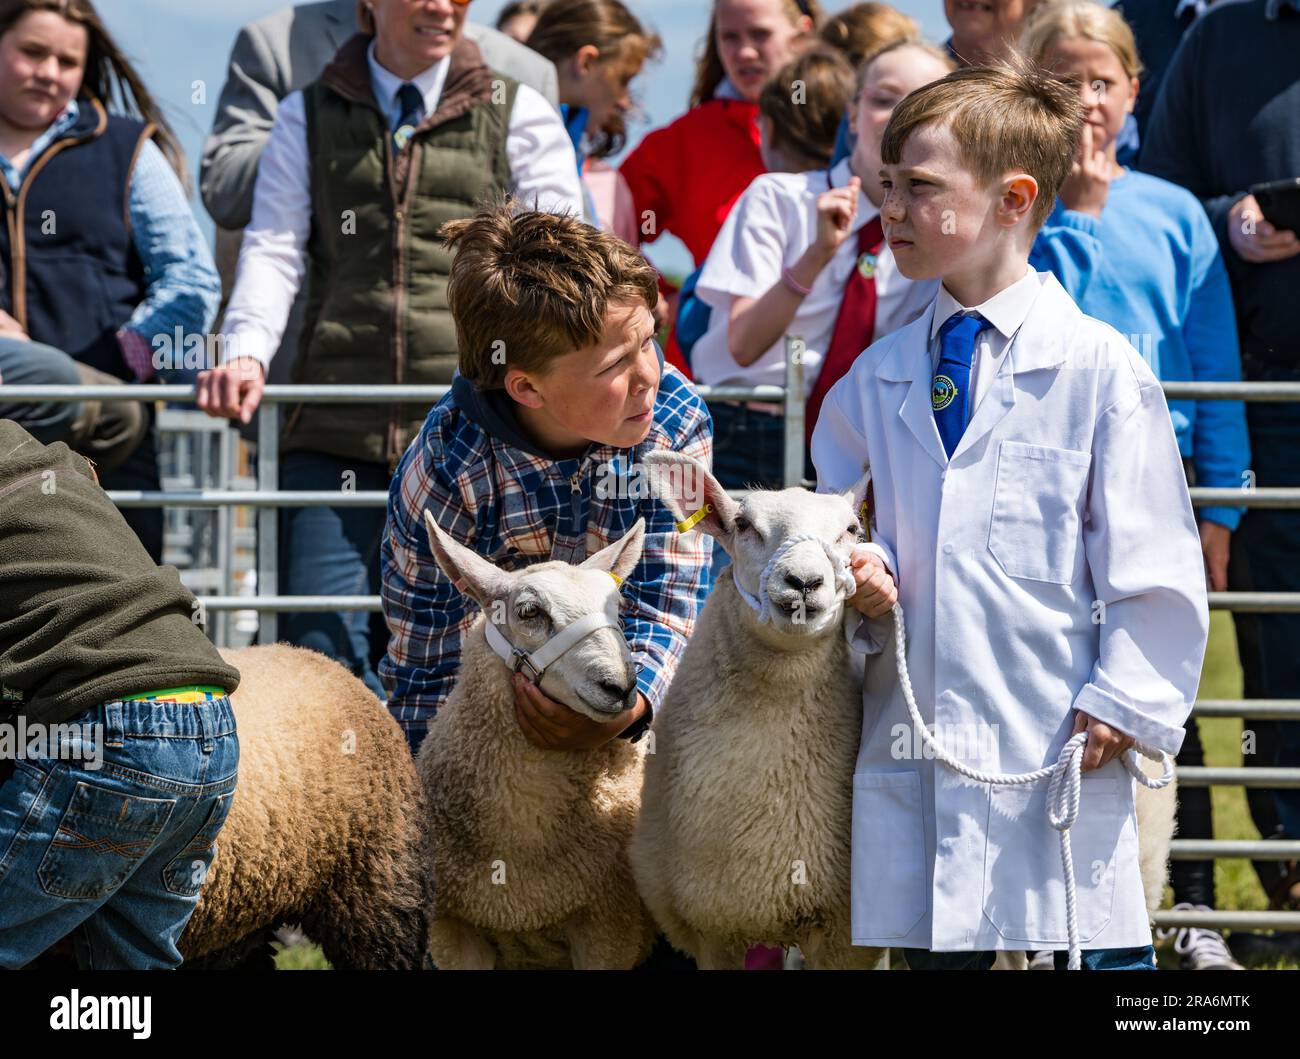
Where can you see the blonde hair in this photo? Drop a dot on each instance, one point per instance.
(806, 122)
(709, 72)
(1067, 19)
(1009, 115)
(863, 28)
(538, 283)
(916, 42)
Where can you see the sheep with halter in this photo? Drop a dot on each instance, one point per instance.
(746, 810)
(744, 835)
(528, 846)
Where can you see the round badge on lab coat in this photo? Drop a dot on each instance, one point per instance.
(942, 392)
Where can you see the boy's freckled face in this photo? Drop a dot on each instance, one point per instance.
(937, 215)
(606, 392)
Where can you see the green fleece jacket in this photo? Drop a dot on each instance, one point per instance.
(85, 615)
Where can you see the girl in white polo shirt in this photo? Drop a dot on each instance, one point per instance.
(782, 263)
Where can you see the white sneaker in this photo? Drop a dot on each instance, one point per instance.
(1201, 948)
(1045, 960)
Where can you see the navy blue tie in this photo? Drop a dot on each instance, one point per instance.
(950, 393)
(411, 101)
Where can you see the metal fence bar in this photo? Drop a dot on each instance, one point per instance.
(269, 605)
(262, 498)
(1260, 498)
(382, 394)
(793, 416)
(226, 443)
(1256, 849)
(321, 393)
(1232, 391)
(1246, 602)
(1255, 602)
(268, 543)
(1257, 709)
(1201, 776)
(1230, 920)
(1269, 498)
(1282, 497)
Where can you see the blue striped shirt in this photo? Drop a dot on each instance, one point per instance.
(517, 509)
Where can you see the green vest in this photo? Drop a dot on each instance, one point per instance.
(377, 285)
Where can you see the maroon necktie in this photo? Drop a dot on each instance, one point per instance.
(856, 324)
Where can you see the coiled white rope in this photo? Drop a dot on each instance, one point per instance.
(1062, 793)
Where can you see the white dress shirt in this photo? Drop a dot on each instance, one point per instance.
(273, 259)
(1004, 312)
(770, 227)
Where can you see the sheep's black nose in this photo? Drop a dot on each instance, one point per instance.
(616, 691)
(801, 585)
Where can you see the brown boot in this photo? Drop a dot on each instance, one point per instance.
(107, 432)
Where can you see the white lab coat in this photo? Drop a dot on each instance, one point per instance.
(1052, 565)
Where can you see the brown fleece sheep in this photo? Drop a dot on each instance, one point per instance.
(326, 824)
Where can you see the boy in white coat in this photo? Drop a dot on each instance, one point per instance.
(1030, 512)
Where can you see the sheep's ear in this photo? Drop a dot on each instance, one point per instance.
(686, 487)
(621, 557)
(857, 496)
(468, 570)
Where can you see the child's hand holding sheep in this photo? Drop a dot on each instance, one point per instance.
(877, 590)
(552, 725)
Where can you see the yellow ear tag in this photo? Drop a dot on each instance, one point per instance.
(617, 580)
(699, 516)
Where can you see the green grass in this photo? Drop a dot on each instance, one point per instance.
(302, 956)
(1235, 880)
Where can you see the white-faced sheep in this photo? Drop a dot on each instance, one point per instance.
(326, 825)
(528, 845)
(746, 809)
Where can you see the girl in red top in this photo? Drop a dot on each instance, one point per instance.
(686, 177)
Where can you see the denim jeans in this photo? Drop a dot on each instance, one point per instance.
(115, 853)
(1140, 959)
(334, 551)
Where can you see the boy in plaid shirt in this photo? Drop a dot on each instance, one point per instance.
(535, 455)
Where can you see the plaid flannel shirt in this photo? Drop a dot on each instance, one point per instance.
(518, 509)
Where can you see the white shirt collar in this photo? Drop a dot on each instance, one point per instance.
(1006, 310)
(429, 81)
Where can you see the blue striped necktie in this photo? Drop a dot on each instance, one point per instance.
(950, 392)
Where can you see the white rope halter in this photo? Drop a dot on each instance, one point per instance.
(537, 662)
(761, 604)
(1062, 793)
